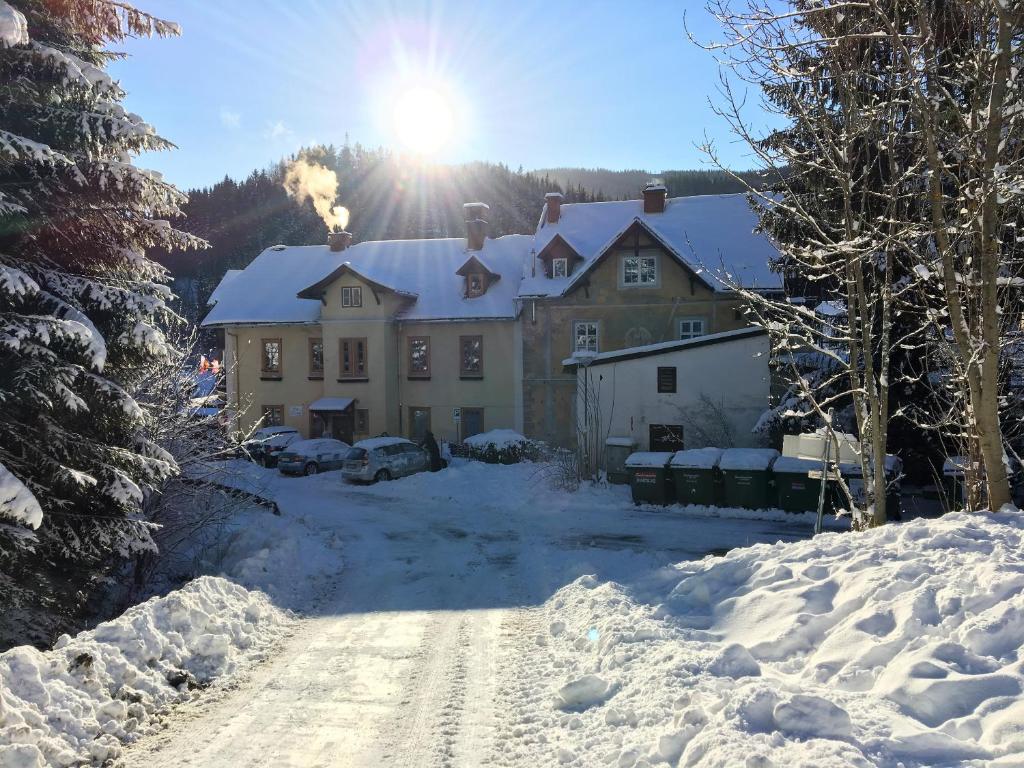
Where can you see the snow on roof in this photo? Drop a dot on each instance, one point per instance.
(661, 347)
(831, 309)
(796, 465)
(422, 270)
(225, 281)
(697, 458)
(331, 404)
(712, 231)
(748, 458)
(379, 442)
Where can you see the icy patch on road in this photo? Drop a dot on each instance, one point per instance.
(76, 703)
(901, 645)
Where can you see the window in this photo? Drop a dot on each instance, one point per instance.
(419, 357)
(316, 358)
(472, 422)
(273, 415)
(271, 357)
(419, 423)
(559, 267)
(352, 296)
(471, 362)
(585, 336)
(353, 355)
(666, 379)
(362, 425)
(639, 270)
(665, 437)
(475, 285)
(691, 328)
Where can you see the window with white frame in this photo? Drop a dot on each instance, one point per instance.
(691, 328)
(640, 269)
(559, 267)
(585, 336)
(351, 296)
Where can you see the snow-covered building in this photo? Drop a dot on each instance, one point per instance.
(465, 335)
(401, 336)
(705, 391)
(609, 276)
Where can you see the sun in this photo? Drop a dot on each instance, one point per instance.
(424, 117)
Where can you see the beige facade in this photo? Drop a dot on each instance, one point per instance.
(622, 316)
(366, 356)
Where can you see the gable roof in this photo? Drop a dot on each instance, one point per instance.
(708, 233)
(268, 290)
(474, 264)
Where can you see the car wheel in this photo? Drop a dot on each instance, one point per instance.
(311, 468)
(382, 476)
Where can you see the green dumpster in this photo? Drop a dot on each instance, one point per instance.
(795, 490)
(954, 481)
(747, 477)
(650, 478)
(695, 473)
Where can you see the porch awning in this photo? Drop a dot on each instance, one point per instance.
(332, 404)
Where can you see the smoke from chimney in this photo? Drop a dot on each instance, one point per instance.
(304, 180)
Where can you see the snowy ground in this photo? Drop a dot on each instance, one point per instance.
(416, 654)
(483, 619)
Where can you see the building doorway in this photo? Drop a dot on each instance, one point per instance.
(419, 423)
(472, 423)
(332, 417)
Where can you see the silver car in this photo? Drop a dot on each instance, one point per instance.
(307, 457)
(384, 458)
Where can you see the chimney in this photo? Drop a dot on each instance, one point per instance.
(654, 197)
(339, 241)
(476, 225)
(554, 203)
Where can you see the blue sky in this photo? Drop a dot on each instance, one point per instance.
(537, 84)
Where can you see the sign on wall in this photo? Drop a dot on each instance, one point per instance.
(294, 410)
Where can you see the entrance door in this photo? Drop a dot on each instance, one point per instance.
(472, 422)
(666, 437)
(336, 424)
(419, 423)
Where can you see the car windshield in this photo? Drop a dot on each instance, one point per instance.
(356, 454)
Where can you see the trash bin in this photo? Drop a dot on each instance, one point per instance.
(747, 477)
(649, 477)
(954, 481)
(854, 477)
(795, 490)
(616, 451)
(696, 478)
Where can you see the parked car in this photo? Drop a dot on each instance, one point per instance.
(267, 442)
(384, 458)
(307, 457)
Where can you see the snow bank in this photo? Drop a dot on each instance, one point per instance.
(78, 702)
(902, 645)
(499, 438)
(13, 27)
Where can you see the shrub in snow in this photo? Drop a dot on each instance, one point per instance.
(76, 703)
(503, 446)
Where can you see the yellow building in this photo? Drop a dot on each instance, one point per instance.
(403, 336)
(460, 336)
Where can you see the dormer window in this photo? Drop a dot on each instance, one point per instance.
(352, 296)
(476, 284)
(559, 267)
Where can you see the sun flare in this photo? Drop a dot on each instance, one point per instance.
(424, 119)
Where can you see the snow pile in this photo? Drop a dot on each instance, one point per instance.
(17, 502)
(13, 27)
(897, 646)
(499, 438)
(79, 701)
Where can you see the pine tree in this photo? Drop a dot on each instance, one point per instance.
(82, 309)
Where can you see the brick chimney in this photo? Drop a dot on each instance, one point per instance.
(339, 241)
(476, 225)
(654, 197)
(554, 203)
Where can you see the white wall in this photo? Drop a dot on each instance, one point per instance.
(733, 374)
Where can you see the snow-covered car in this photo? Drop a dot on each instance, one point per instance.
(384, 458)
(267, 442)
(307, 457)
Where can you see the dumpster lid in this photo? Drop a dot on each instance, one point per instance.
(796, 465)
(697, 458)
(658, 460)
(748, 458)
(625, 442)
(956, 466)
(893, 466)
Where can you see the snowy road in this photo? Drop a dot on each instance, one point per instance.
(420, 655)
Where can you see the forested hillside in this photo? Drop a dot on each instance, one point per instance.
(626, 185)
(388, 197)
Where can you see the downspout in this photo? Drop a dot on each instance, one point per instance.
(238, 383)
(398, 372)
